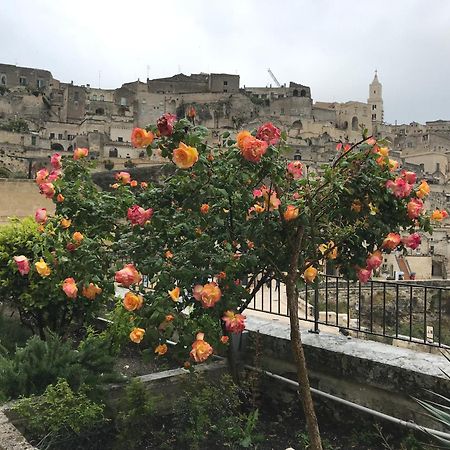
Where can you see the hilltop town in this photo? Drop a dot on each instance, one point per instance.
(40, 115)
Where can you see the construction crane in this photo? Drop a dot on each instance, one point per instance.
(274, 78)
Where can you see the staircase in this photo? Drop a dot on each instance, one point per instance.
(404, 267)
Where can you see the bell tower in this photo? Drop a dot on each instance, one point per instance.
(375, 100)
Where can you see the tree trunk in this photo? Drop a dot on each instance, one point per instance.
(302, 373)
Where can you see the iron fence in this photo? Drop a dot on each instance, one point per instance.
(407, 311)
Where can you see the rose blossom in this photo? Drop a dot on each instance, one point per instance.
(364, 275)
(234, 323)
(138, 215)
(47, 189)
(137, 334)
(268, 133)
(253, 149)
(23, 265)
(141, 138)
(70, 288)
(123, 177)
(295, 168)
(91, 291)
(41, 215)
(55, 161)
(423, 189)
(165, 124)
(391, 241)
(184, 156)
(132, 301)
(201, 350)
(79, 153)
(41, 176)
(374, 260)
(399, 187)
(128, 276)
(208, 295)
(291, 213)
(310, 274)
(412, 241)
(409, 177)
(415, 208)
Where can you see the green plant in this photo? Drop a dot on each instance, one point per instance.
(209, 414)
(136, 419)
(60, 417)
(32, 368)
(12, 332)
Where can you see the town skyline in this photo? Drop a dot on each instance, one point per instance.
(334, 48)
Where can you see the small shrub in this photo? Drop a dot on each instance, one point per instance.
(60, 416)
(210, 416)
(32, 368)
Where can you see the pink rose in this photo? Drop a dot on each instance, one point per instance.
(374, 260)
(409, 177)
(364, 275)
(399, 187)
(412, 241)
(123, 177)
(138, 215)
(128, 276)
(47, 189)
(41, 215)
(41, 176)
(415, 208)
(70, 288)
(54, 175)
(269, 133)
(235, 323)
(55, 161)
(23, 265)
(295, 168)
(165, 124)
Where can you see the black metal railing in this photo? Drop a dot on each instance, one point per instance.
(407, 311)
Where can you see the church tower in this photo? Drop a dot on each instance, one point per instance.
(375, 100)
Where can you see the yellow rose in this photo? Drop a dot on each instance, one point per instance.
(42, 268)
(137, 334)
(184, 156)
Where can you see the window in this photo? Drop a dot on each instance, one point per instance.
(70, 137)
(33, 140)
(76, 96)
(282, 111)
(22, 81)
(225, 90)
(40, 83)
(102, 98)
(60, 136)
(3, 80)
(374, 116)
(120, 138)
(225, 83)
(52, 135)
(94, 97)
(123, 101)
(374, 107)
(113, 153)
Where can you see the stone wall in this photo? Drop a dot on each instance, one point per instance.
(21, 198)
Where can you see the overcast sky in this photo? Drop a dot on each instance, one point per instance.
(333, 46)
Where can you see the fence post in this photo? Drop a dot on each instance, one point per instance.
(316, 308)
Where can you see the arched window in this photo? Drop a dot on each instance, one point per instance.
(3, 80)
(345, 125)
(295, 93)
(113, 153)
(297, 124)
(100, 111)
(355, 123)
(57, 147)
(94, 97)
(302, 93)
(102, 98)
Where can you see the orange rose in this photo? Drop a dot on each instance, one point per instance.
(356, 206)
(291, 213)
(137, 334)
(161, 349)
(208, 295)
(439, 215)
(123, 177)
(144, 185)
(184, 156)
(141, 138)
(175, 294)
(253, 149)
(201, 350)
(42, 268)
(79, 153)
(77, 237)
(133, 183)
(310, 274)
(241, 136)
(168, 254)
(169, 318)
(391, 241)
(132, 301)
(224, 339)
(329, 249)
(60, 198)
(91, 291)
(65, 223)
(204, 208)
